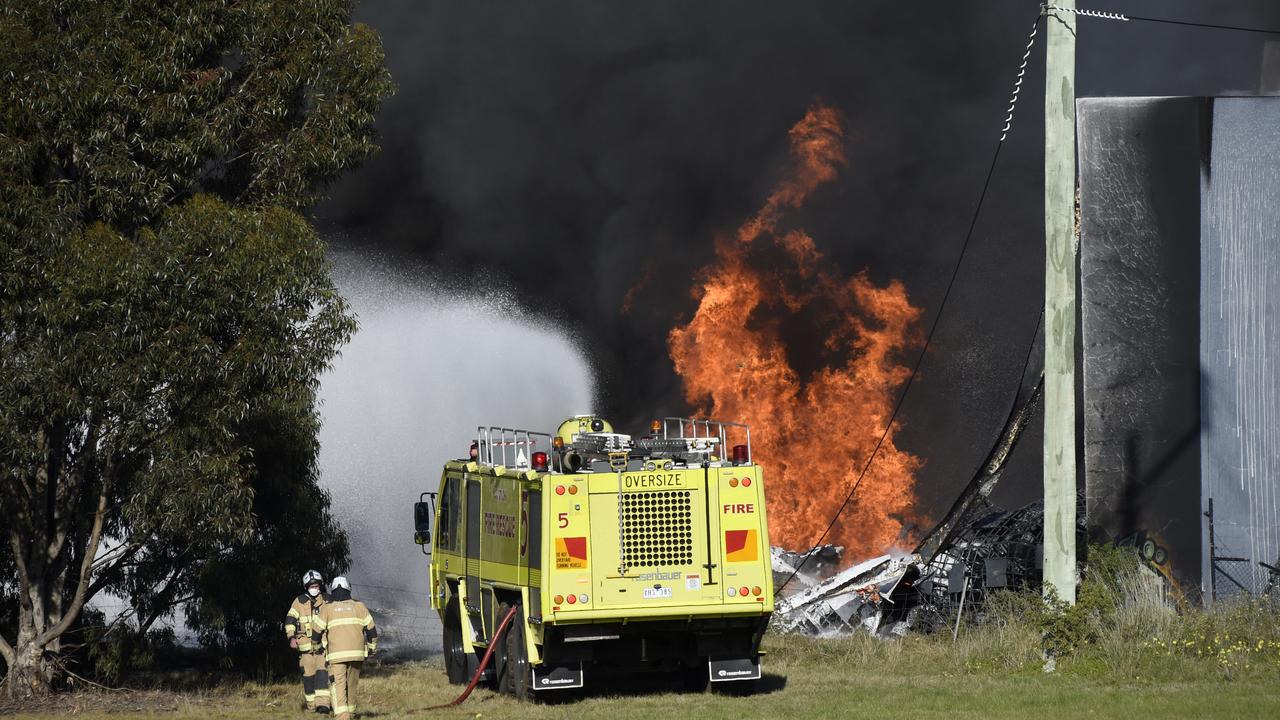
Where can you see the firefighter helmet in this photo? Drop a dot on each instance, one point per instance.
(312, 576)
(339, 582)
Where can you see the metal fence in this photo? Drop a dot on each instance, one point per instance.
(1235, 575)
(407, 625)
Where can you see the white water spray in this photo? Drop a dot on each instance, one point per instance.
(431, 361)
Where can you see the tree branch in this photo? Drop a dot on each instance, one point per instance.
(24, 577)
(7, 652)
(126, 550)
(86, 566)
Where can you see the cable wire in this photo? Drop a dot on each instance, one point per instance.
(1104, 15)
(933, 327)
(1211, 26)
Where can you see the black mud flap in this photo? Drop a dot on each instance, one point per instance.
(731, 669)
(557, 677)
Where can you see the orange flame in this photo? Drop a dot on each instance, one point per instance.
(813, 435)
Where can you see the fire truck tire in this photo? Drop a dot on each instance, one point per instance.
(517, 677)
(501, 661)
(695, 678)
(455, 655)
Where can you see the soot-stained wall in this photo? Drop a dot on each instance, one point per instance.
(1180, 214)
(1139, 256)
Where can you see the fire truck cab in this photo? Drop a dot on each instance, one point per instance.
(617, 553)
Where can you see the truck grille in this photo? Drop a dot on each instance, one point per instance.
(657, 529)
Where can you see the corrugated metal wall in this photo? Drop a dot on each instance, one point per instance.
(1240, 335)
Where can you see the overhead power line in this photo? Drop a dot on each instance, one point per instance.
(1104, 15)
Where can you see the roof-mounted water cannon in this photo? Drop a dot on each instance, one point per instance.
(584, 439)
(581, 425)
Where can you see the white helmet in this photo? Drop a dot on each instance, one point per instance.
(339, 582)
(312, 576)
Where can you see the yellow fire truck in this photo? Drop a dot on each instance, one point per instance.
(618, 553)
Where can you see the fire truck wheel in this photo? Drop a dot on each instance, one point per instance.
(695, 678)
(517, 677)
(502, 661)
(455, 656)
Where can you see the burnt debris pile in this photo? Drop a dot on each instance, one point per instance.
(988, 550)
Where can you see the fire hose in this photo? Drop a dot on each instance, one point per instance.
(484, 662)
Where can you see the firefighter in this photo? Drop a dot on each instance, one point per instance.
(345, 629)
(298, 628)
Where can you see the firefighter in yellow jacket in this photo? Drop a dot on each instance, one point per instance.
(345, 629)
(298, 628)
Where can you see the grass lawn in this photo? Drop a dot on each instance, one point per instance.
(920, 678)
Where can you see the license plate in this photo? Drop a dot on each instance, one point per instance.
(651, 593)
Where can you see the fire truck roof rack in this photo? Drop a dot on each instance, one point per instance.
(714, 430)
(508, 447)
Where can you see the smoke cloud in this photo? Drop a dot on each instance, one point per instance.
(586, 154)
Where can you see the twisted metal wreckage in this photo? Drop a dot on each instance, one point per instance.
(976, 548)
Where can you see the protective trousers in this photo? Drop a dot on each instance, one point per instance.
(315, 679)
(346, 675)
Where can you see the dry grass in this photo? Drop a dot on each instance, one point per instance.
(992, 671)
(1131, 654)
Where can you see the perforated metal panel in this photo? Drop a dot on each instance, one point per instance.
(657, 529)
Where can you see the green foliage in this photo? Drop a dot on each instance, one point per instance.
(164, 308)
(1112, 582)
(1124, 625)
(242, 595)
(115, 109)
(112, 656)
(1238, 639)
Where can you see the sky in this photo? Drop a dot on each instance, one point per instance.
(559, 151)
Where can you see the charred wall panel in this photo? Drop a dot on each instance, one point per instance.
(1140, 162)
(1240, 339)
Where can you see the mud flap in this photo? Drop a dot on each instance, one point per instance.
(557, 677)
(731, 669)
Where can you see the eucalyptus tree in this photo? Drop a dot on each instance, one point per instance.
(159, 287)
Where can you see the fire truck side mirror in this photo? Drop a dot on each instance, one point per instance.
(422, 523)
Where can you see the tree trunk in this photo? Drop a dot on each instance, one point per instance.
(31, 670)
(43, 611)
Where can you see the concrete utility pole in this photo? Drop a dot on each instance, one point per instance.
(1061, 306)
